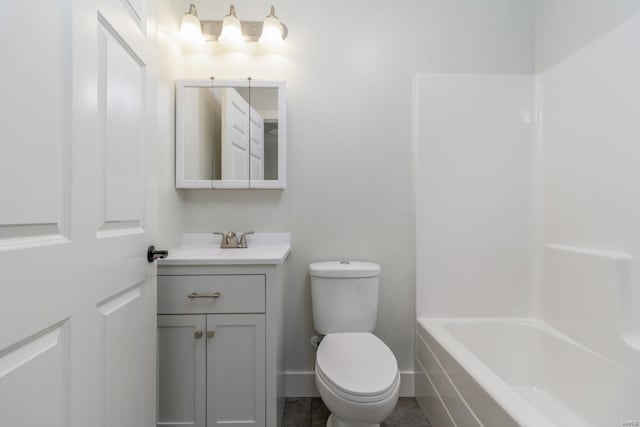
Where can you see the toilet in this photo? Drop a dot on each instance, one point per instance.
(356, 373)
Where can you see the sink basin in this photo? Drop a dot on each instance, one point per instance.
(204, 249)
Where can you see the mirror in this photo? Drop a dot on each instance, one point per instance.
(230, 134)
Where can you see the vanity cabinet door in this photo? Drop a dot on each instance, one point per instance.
(236, 370)
(181, 370)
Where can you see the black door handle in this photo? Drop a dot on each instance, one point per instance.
(153, 254)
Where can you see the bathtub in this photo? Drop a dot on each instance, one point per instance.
(518, 372)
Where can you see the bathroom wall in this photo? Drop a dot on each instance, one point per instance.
(590, 134)
(474, 145)
(350, 70)
(169, 68)
(564, 26)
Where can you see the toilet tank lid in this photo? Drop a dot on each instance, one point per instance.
(345, 269)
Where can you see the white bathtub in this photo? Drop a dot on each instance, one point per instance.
(518, 372)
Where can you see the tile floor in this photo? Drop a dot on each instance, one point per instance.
(311, 412)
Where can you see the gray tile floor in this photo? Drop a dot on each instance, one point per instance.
(311, 412)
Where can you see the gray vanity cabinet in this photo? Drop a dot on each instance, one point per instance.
(236, 370)
(182, 360)
(212, 351)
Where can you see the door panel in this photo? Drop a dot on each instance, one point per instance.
(236, 370)
(181, 371)
(66, 295)
(126, 291)
(121, 102)
(35, 374)
(35, 118)
(121, 365)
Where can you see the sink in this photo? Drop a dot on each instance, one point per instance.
(204, 249)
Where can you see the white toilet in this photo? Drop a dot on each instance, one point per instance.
(356, 373)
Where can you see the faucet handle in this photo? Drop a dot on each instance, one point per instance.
(223, 238)
(243, 238)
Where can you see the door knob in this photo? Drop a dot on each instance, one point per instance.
(197, 335)
(153, 254)
(210, 334)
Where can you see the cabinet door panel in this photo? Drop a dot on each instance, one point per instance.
(181, 371)
(236, 370)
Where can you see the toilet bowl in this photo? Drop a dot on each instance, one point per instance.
(356, 373)
(358, 379)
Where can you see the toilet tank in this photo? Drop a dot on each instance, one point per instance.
(344, 296)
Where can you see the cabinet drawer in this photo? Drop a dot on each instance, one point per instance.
(235, 294)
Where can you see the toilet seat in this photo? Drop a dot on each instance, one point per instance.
(358, 367)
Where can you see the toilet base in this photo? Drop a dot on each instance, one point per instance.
(334, 421)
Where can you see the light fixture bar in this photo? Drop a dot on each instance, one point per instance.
(251, 30)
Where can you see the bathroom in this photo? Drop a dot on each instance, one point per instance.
(473, 209)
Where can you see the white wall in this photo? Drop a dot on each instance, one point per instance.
(590, 134)
(564, 26)
(474, 137)
(349, 68)
(169, 68)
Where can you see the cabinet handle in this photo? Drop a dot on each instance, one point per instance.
(210, 334)
(197, 335)
(194, 295)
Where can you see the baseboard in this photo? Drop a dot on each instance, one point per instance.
(302, 384)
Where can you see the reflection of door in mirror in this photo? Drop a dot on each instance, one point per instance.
(242, 137)
(235, 135)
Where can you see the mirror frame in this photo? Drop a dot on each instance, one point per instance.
(249, 184)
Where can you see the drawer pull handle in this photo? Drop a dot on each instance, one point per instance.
(197, 335)
(210, 334)
(195, 295)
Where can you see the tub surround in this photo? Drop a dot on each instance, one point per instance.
(547, 332)
(464, 177)
(519, 372)
(204, 249)
(576, 366)
(587, 295)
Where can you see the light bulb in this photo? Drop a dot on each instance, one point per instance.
(271, 37)
(231, 34)
(190, 27)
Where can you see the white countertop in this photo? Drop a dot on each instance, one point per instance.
(204, 249)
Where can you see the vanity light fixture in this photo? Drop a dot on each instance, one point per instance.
(190, 27)
(272, 31)
(231, 32)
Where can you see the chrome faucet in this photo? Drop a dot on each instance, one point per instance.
(230, 240)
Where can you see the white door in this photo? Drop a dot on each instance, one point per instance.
(235, 136)
(236, 370)
(77, 296)
(181, 370)
(256, 151)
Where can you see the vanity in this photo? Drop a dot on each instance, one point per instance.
(221, 333)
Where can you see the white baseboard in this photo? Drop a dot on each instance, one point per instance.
(302, 384)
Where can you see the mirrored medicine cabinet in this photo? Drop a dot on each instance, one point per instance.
(230, 134)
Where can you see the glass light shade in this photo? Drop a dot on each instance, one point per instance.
(190, 29)
(231, 34)
(271, 37)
